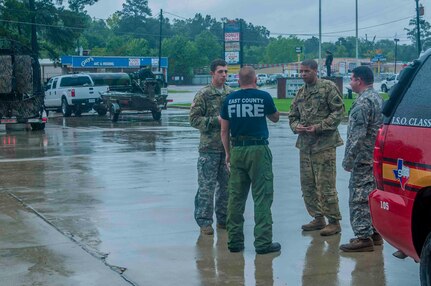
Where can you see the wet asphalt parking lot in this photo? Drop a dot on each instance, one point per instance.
(90, 202)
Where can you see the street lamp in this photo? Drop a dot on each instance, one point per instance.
(395, 61)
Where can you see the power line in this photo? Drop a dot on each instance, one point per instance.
(184, 18)
(343, 31)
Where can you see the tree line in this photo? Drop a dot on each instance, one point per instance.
(190, 44)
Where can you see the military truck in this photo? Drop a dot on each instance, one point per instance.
(144, 91)
(21, 95)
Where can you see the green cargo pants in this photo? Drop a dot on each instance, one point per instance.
(318, 184)
(250, 165)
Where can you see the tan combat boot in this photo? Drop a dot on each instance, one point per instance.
(316, 224)
(331, 229)
(358, 245)
(221, 226)
(208, 230)
(377, 239)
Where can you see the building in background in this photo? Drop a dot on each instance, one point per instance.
(75, 64)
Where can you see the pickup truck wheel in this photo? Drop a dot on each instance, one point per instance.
(37, 126)
(156, 114)
(65, 108)
(102, 111)
(113, 115)
(384, 88)
(425, 267)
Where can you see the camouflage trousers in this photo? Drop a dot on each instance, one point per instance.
(213, 178)
(318, 177)
(250, 165)
(361, 184)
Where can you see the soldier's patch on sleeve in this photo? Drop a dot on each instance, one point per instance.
(337, 100)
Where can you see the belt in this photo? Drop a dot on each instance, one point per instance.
(250, 142)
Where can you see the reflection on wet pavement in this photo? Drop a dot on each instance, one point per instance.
(125, 192)
(321, 260)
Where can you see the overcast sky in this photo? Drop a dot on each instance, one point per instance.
(380, 18)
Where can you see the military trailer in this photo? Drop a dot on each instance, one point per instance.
(21, 95)
(138, 91)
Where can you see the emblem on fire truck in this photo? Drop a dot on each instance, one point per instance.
(402, 173)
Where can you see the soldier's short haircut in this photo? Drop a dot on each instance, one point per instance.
(312, 64)
(217, 62)
(364, 73)
(247, 75)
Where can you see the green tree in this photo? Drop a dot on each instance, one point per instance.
(183, 56)
(281, 50)
(136, 14)
(96, 35)
(208, 46)
(253, 54)
(58, 27)
(191, 28)
(425, 31)
(254, 35)
(311, 48)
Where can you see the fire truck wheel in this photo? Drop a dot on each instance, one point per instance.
(425, 267)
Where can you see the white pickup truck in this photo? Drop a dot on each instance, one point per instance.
(75, 93)
(389, 82)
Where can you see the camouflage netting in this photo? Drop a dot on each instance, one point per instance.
(24, 74)
(17, 97)
(21, 74)
(16, 88)
(26, 108)
(5, 74)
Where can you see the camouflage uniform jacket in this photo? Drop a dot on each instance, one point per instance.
(319, 105)
(203, 115)
(364, 121)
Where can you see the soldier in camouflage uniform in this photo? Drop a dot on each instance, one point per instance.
(212, 171)
(315, 114)
(364, 121)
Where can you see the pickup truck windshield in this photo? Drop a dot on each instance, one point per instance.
(75, 81)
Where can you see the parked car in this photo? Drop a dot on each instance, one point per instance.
(389, 82)
(401, 203)
(261, 78)
(232, 82)
(274, 77)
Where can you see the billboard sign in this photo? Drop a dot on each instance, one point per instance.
(111, 62)
(232, 57)
(231, 46)
(231, 37)
(231, 26)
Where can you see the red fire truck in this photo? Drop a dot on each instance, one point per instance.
(401, 204)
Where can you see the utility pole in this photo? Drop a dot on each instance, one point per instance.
(34, 49)
(160, 39)
(357, 42)
(395, 61)
(241, 42)
(320, 37)
(418, 36)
